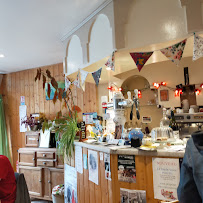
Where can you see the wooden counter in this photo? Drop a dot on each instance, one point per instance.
(108, 191)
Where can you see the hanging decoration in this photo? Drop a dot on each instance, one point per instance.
(96, 75)
(198, 47)
(140, 58)
(110, 64)
(76, 82)
(175, 52)
(67, 83)
(83, 76)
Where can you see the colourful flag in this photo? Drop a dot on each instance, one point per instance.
(76, 82)
(83, 76)
(198, 47)
(67, 83)
(111, 62)
(96, 75)
(140, 58)
(175, 52)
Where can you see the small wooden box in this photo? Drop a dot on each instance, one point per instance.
(32, 139)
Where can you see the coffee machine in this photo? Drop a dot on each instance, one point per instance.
(189, 123)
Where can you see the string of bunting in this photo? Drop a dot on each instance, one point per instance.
(82, 75)
(173, 53)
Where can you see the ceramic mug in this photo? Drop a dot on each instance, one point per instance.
(191, 110)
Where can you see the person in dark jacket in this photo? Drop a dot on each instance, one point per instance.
(7, 181)
(190, 189)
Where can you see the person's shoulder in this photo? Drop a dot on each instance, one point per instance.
(4, 159)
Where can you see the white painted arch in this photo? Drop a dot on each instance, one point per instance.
(101, 39)
(74, 55)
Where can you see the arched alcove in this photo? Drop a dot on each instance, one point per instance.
(101, 39)
(74, 55)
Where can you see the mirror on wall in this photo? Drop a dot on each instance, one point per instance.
(148, 103)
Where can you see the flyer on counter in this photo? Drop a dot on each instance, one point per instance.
(93, 166)
(107, 166)
(126, 168)
(70, 193)
(131, 196)
(78, 159)
(166, 172)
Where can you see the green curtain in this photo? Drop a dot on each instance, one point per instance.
(4, 144)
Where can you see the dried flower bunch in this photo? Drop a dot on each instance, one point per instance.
(30, 121)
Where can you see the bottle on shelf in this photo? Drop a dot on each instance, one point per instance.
(164, 121)
(173, 124)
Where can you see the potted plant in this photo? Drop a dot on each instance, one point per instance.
(32, 123)
(65, 127)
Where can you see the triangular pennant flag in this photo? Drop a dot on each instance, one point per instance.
(83, 76)
(140, 58)
(67, 83)
(76, 82)
(175, 52)
(198, 47)
(111, 62)
(96, 75)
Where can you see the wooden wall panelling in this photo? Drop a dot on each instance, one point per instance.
(98, 187)
(46, 102)
(31, 87)
(36, 92)
(86, 180)
(57, 106)
(22, 93)
(22, 84)
(104, 183)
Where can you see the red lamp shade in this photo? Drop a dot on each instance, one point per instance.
(201, 85)
(139, 94)
(156, 85)
(197, 92)
(163, 83)
(176, 93)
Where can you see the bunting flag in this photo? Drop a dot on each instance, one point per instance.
(198, 47)
(76, 82)
(83, 76)
(175, 52)
(67, 83)
(111, 62)
(140, 58)
(96, 75)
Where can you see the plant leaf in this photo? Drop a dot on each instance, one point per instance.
(55, 97)
(39, 74)
(36, 77)
(60, 94)
(48, 73)
(44, 81)
(54, 83)
(76, 108)
(49, 90)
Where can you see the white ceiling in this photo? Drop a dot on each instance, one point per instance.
(30, 30)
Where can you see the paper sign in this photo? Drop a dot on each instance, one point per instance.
(101, 156)
(166, 176)
(78, 159)
(126, 168)
(85, 161)
(70, 193)
(22, 100)
(93, 166)
(22, 115)
(128, 196)
(107, 166)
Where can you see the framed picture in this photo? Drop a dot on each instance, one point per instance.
(61, 84)
(44, 139)
(164, 96)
